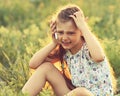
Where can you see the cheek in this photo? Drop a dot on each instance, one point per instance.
(77, 39)
(59, 39)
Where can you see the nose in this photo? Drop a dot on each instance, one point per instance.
(64, 37)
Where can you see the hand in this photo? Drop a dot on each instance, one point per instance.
(79, 20)
(53, 26)
(54, 31)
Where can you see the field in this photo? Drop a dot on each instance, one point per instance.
(24, 29)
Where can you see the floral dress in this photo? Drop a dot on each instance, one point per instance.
(89, 74)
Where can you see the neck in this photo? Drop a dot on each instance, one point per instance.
(77, 47)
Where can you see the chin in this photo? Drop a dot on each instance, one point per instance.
(66, 48)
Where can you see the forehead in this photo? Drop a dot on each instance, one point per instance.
(66, 26)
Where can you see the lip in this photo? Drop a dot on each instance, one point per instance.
(66, 44)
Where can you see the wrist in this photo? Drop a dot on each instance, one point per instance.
(54, 44)
(83, 25)
(84, 28)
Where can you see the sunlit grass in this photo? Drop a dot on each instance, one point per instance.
(24, 29)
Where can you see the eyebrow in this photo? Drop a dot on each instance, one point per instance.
(66, 31)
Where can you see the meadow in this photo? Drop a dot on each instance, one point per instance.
(24, 29)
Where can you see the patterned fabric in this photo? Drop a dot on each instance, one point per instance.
(89, 74)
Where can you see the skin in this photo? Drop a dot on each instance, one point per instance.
(69, 36)
(94, 47)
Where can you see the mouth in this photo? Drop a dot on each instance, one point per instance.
(65, 43)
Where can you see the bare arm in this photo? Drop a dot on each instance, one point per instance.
(40, 56)
(94, 47)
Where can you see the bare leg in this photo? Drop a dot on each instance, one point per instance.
(80, 91)
(46, 72)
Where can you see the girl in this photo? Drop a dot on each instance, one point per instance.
(73, 44)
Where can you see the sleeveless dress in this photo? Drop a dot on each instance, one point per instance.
(89, 74)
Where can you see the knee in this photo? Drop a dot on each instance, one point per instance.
(46, 66)
(81, 91)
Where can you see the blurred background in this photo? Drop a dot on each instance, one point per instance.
(24, 29)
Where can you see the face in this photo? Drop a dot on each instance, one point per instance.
(69, 36)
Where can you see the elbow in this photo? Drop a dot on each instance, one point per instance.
(23, 90)
(32, 65)
(99, 59)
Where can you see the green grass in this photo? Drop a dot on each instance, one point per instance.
(24, 29)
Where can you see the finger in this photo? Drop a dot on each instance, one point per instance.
(53, 28)
(78, 13)
(53, 31)
(52, 23)
(72, 16)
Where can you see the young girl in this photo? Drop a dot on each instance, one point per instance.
(73, 44)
